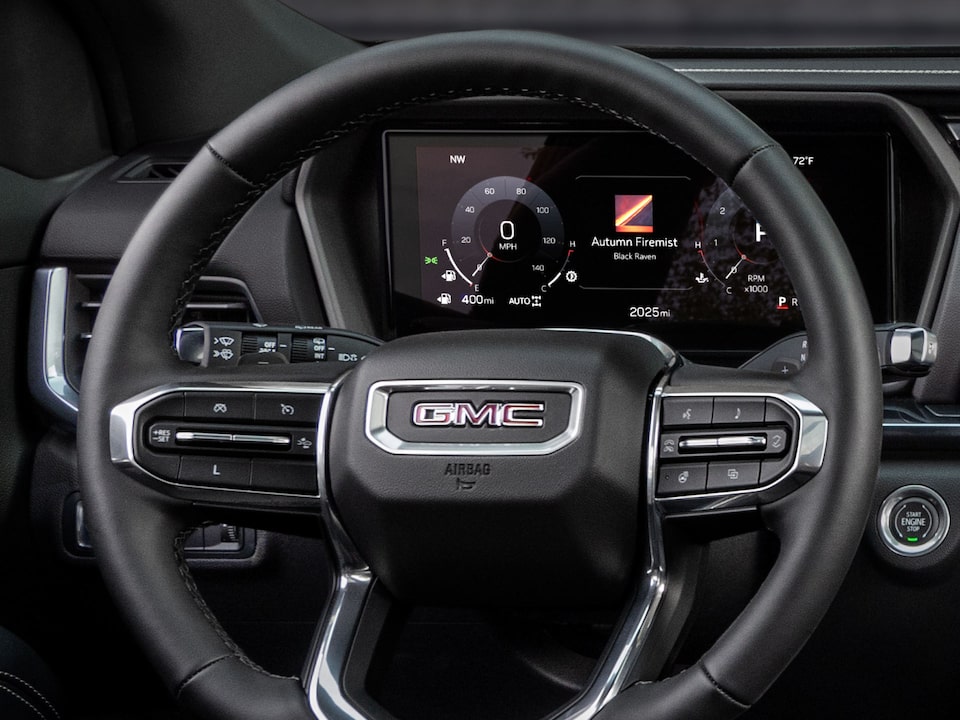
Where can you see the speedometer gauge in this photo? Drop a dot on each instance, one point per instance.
(506, 240)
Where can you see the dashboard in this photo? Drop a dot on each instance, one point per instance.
(612, 230)
(507, 213)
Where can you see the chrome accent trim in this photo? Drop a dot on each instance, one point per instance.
(191, 437)
(734, 442)
(80, 528)
(921, 426)
(699, 444)
(188, 436)
(189, 341)
(331, 648)
(378, 398)
(903, 493)
(324, 690)
(817, 71)
(247, 439)
(634, 630)
(122, 424)
(47, 376)
(811, 449)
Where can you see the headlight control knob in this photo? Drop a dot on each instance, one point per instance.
(913, 520)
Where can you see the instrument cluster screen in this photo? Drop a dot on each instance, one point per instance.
(611, 230)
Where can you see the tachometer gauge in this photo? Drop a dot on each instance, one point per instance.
(739, 257)
(506, 241)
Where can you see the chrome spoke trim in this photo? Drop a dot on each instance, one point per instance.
(324, 685)
(335, 633)
(632, 634)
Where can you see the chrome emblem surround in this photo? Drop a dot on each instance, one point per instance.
(446, 413)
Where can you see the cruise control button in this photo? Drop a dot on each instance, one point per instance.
(733, 475)
(219, 405)
(687, 411)
(682, 479)
(733, 410)
(291, 477)
(162, 435)
(286, 407)
(215, 472)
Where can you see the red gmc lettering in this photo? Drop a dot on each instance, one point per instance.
(510, 418)
(463, 414)
(489, 414)
(433, 414)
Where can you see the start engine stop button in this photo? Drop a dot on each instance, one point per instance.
(913, 520)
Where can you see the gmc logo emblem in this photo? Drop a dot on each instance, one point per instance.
(464, 414)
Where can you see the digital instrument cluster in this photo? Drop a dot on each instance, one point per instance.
(610, 230)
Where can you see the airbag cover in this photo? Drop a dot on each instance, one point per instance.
(497, 467)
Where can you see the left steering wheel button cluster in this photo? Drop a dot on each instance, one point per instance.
(230, 439)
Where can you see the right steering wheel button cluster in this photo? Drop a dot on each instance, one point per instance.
(724, 443)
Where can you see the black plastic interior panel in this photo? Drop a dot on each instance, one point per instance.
(91, 229)
(190, 68)
(25, 206)
(51, 115)
(886, 648)
(14, 448)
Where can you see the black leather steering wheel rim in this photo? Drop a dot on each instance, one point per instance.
(134, 526)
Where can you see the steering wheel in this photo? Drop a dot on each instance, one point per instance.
(573, 467)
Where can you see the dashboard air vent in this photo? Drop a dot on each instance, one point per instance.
(154, 171)
(221, 300)
(65, 308)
